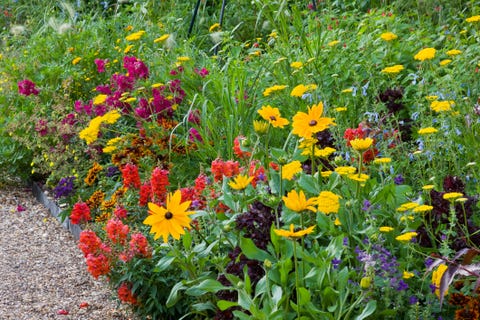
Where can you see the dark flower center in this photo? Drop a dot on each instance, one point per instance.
(168, 215)
(312, 123)
(273, 118)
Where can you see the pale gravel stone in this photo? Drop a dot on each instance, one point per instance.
(41, 269)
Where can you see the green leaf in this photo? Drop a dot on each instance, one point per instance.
(174, 294)
(368, 310)
(164, 263)
(224, 304)
(309, 184)
(207, 285)
(251, 251)
(304, 295)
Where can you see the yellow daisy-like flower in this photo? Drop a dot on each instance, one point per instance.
(358, 177)
(272, 89)
(170, 220)
(385, 229)
(135, 36)
(298, 202)
(76, 60)
(112, 145)
(428, 130)
(183, 59)
(291, 169)
(452, 195)
(431, 98)
(306, 124)
(345, 170)
(437, 275)
(473, 19)
(260, 127)
(422, 208)
(296, 64)
(407, 275)
(428, 187)
(453, 52)
(348, 90)
(442, 106)
(445, 62)
(111, 116)
(340, 109)
(393, 69)
(162, 38)
(127, 49)
(462, 200)
(406, 237)
(425, 54)
(292, 234)
(333, 43)
(301, 89)
(240, 182)
(361, 145)
(388, 36)
(326, 174)
(407, 206)
(308, 144)
(328, 202)
(382, 160)
(100, 99)
(214, 27)
(273, 116)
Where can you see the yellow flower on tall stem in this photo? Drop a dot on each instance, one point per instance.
(273, 116)
(361, 145)
(306, 124)
(328, 202)
(171, 220)
(291, 169)
(293, 234)
(298, 202)
(240, 182)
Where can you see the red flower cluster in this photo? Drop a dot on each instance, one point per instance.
(139, 245)
(362, 132)
(125, 293)
(117, 232)
(80, 212)
(130, 176)
(222, 168)
(238, 148)
(145, 194)
(257, 172)
(98, 265)
(357, 133)
(89, 242)
(159, 182)
(120, 212)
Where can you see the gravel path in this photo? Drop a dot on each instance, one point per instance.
(42, 272)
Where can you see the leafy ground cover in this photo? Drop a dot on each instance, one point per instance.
(313, 160)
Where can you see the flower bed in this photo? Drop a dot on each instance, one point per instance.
(326, 170)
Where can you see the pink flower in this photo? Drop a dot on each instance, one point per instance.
(21, 208)
(100, 65)
(202, 72)
(27, 87)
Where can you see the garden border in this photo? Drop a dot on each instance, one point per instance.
(55, 210)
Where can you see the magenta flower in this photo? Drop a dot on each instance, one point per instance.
(27, 87)
(100, 65)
